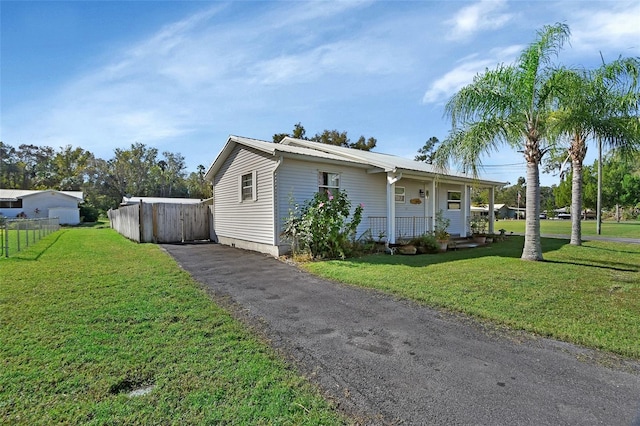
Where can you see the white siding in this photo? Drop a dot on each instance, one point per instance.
(248, 220)
(458, 225)
(412, 190)
(66, 216)
(38, 205)
(298, 180)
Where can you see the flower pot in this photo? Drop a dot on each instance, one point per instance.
(480, 239)
(443, 246)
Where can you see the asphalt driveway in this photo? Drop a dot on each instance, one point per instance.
(389, 361)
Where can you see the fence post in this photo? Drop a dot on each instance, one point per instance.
(6, 238)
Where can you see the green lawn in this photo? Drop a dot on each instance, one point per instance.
(627, 229)
(586, 294)
(87, 316)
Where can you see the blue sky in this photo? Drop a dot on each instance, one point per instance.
(181, 76)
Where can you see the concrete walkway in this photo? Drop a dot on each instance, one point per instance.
(387, 361)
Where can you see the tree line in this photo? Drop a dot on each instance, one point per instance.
(135, 171)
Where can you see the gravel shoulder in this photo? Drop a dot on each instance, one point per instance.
(389, 361)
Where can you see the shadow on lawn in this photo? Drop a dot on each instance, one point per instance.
(624, 267)
(34, 252)
(510, 248)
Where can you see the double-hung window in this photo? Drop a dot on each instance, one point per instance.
(400, 194)
(328, 182)
(454, 200)
(248, 187)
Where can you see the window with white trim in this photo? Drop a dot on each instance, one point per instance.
(400, 194)
(454, 200)
(248, 187)
(328, 181)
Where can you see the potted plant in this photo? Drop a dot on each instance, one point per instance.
(440, 231)
(425, 243)
(478, 229)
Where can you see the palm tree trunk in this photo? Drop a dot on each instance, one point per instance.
(578, 151)
(576, 203)
(532, 247)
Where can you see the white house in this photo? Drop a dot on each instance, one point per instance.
(255, 183)
(41, 204)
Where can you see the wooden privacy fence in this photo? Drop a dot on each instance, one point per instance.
(162, 222)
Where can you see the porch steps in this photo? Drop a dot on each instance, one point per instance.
(460, 243)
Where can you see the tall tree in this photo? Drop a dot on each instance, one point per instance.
(70, 166)
(35, 165)
(330, 137)
(9, 170)
(599, 104)
(170, 176)
(197, 186)
(508, 105)
(130, 172)
(428, 151)
(299, 132)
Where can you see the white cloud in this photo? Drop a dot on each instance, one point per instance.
(485, 15)
(617, 27)
(464, 73)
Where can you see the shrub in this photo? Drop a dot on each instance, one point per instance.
(322, 226)
(426, 243)
(89, 213)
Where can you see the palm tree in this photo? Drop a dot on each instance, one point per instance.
(598, 104)
(508, 105)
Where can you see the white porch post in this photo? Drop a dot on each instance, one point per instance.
(492, 212)
(391, 206)
(466, 209)
(434, 197)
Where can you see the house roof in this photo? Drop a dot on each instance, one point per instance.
(374, 161)
(385, 162)
(275, 149)
(16, 194)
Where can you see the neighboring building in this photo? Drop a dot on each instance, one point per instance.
(41, 204)
(128, 201)
(256, 182)
(501, 211)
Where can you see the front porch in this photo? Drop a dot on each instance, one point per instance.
(405, 227)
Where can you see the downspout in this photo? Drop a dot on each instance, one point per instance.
(391, 206)
(276, 211)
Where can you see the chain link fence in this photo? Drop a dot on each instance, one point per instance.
(18, 234)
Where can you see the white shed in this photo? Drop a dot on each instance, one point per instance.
(41, 204)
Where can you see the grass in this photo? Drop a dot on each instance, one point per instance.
(87, 316)
(628, 229)
(587, 294)
(17, 240)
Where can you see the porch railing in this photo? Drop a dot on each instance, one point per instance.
(406, 227)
